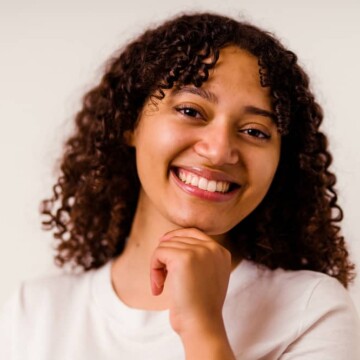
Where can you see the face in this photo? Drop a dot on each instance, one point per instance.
(206, 156)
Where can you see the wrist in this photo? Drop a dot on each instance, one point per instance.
(207, 341)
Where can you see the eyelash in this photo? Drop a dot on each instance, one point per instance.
(253, 132)
(182, 110)
(256, 133)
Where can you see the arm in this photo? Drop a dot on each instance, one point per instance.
(195, 269)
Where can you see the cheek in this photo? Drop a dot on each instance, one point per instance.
(158, 143)
(168, 139)
(171, 140)
(262, 167)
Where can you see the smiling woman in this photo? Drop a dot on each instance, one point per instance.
(196, 196)
(204, 136)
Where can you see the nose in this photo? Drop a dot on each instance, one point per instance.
(217, 145)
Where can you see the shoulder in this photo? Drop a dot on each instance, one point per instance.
(325, 313)
(309, 289)
(43, 309)
(310, 285)
(303, 295)
(307, 284)
(53, 292)
(53, 288)
(300, 313)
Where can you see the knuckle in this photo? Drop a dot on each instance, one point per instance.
(189, 257)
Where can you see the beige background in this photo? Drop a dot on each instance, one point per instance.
(51, 52)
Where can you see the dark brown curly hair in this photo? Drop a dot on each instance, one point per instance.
(94, 200)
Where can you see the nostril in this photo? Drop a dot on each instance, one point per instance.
(217, 153)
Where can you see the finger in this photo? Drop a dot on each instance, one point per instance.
(186, 232)
(181, 243)
(160, 261)
(157, 275)
(189, 245)
(184, 240)
(158, 271)
(157, 280)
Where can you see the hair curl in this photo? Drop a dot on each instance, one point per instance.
(94, 199)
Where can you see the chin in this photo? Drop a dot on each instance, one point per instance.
(209, 227)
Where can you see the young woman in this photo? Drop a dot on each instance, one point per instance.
(196, 194)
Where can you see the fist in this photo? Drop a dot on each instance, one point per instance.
(195, 270)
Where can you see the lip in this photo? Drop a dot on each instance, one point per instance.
(209, 174)
(203, 194)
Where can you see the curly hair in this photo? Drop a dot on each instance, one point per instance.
(296, 226)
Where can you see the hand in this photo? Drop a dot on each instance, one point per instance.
(195, 270)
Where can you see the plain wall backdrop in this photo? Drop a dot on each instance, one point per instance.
(52, 52)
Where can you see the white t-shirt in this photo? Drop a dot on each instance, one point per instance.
(268, 315)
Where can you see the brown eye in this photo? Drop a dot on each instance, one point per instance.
(188, 111)
(256, 133)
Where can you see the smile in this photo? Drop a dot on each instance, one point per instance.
(203, 183)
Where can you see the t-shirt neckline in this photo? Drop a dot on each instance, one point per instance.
(135, 320)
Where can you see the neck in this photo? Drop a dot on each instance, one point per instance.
(147, 228)
(130, 271)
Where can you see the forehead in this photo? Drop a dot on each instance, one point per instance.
(238, 66)
(239, 56)
(235, 79)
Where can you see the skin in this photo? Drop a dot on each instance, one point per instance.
(178, 234)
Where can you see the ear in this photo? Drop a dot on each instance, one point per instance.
(129, 138)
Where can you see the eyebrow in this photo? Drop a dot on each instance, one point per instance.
(205, 94)
(258, 111)
(211, 97)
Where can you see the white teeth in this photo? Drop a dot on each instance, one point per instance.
(195, 181)
(188, 179)
(211, 186)
(202, 183)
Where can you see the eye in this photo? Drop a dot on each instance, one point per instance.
(256, 133)
(189, 111)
